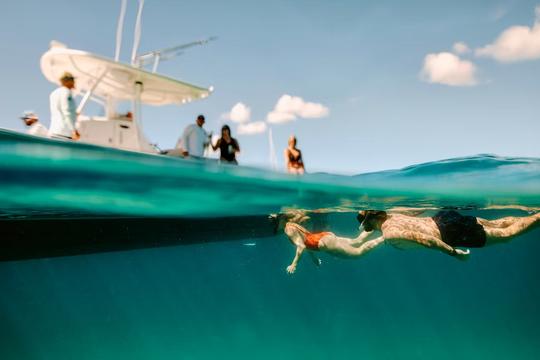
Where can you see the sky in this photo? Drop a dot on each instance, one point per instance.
(364, 85)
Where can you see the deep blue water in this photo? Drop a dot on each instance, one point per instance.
(227, 300)
(234, 299)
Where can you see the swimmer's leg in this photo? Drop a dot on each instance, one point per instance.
(498, 223)
(514, 226)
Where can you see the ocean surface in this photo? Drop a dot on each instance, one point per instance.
(148, 257)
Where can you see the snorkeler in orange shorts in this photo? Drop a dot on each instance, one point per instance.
(327, 242)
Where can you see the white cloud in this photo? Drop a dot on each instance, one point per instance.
(517, 43)
(288, 108)
(251, 128)
(276, 117)
(289, 104)
(448, 69)
(297, 106)
(239, 113)
(461, 48)
(313, 110)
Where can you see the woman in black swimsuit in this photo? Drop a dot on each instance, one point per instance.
(228, 146)
(293, 158)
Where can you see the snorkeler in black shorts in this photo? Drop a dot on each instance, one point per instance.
(460, 231)
(447, 231)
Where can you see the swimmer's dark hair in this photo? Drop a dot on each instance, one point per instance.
(365, 216)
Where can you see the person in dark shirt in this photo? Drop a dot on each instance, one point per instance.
(228, 146)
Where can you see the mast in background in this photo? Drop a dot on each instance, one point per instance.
(120, 30)
(137, 34)
(273, 157)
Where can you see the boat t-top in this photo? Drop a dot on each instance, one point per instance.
(109, 82)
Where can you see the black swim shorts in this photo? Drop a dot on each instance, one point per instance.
(460, 231)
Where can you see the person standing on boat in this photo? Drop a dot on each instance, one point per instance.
(293, 158)
(228, 146)
(35, 128)
(194, 139)
(64, 110)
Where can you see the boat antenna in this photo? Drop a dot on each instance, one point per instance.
(120, 30)
(168, 53)
(137, 34)
(273, 157)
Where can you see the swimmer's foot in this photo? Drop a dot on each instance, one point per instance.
(462, 255)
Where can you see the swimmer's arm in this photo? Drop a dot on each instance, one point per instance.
(292, 268)
(215, 147)
(362, 238)
(315, 258)
(286, 155)
(370, 245)
(433, 242)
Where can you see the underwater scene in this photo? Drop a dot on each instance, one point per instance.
(108, 254)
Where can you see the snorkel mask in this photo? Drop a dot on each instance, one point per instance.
(361, 217)
(364, 217)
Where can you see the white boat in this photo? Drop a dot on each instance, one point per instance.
(109, 82)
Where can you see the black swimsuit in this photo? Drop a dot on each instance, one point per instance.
(295, 161)
(459, 230)
(224, 150)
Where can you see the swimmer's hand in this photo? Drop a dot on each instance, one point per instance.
(462, 255)
(291, 269)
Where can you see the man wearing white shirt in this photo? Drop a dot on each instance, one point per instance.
(34, 126)
(194, 139)
(64, 110)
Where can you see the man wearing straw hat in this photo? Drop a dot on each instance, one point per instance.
(64, 110)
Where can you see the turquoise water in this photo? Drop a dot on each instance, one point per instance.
(41, 177)
(233, 299)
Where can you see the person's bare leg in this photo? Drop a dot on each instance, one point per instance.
(514, 226)
(498, 223)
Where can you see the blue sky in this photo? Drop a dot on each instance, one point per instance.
(361, 60)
